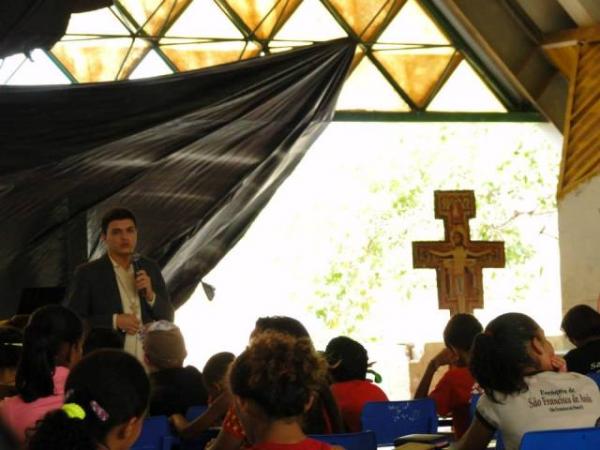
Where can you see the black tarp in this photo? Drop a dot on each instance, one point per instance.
(195, 155)
(29, 24)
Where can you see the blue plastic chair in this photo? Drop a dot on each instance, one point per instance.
(363, 440)
(155, 435)
(195, 411)
(390, 420)
(573, 439)
(595, 376)
(200, 442)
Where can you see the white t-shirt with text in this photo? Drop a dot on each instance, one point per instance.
(553, 401)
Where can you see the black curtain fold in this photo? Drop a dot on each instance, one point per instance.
(195, 155)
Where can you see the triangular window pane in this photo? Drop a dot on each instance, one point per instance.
(412, 25)
(311, 21)
(205, 19)
(151, 66)
(190, 55)
(10, 65)
(99, 59)
(366, 17)
(286, 46)
(154, 16)
(465, 92)
(99, 22)
(264, 18)
(418, 71)
(40, 70)
(367, 90)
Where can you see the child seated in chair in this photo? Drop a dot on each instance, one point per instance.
(525, 386)
(452, 394)
(214, 375)
(274, 381)
(581, 324)
(174, 387)
(348, 363)
(323, 417)
(106, 398)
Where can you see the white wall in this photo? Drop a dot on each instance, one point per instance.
(579, 231)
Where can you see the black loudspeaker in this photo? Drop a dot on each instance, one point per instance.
(33, 298)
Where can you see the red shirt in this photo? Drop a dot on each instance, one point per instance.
(351, 396)
(452, 395)
(306, 444)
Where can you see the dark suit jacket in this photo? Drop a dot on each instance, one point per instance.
(94, 293)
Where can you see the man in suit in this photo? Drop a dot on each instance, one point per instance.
(115, 291)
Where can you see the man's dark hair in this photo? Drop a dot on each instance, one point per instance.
(116, 214)
(348, 358)
(581, 322)
(460, 331)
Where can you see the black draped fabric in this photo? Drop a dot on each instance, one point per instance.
(29, 24)
(195, 155)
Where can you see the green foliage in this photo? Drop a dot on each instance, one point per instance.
(514, 194)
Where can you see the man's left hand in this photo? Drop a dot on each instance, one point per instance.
(143, 282)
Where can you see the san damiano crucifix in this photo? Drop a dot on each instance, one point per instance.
(458, 261)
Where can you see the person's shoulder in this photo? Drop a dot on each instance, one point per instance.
(559, 378)
(92, 265)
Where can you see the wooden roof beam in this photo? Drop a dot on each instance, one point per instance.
(512, 50)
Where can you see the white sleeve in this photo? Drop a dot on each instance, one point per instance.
(487, 412)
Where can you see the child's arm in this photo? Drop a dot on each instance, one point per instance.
(443, 358)
(191, 430)
(477, 437)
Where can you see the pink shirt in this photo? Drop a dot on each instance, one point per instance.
(19, 416)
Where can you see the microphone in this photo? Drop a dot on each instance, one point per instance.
(135, 260)
(137, 266)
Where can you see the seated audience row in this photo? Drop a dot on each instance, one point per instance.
(279, 389)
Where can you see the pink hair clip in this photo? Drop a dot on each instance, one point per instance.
(99, 411)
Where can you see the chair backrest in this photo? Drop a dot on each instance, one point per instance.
(390, 420)
(595, 376)
(199, 442)
(363, 440)
(573, 439)
(155, 435)
(195, 411)
(473, 404)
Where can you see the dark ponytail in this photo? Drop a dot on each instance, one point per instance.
(106, 389)
(49, 328)
(499, 356)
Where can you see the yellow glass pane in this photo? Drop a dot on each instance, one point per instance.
(155, 16)
(416, 71)
(412, 25)
(204, 18)
(263, 17)
(190, 56)
(465, 91)
(367, 18)
(99, 22)
(367, 90)
(312, 22)
(100, 59)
